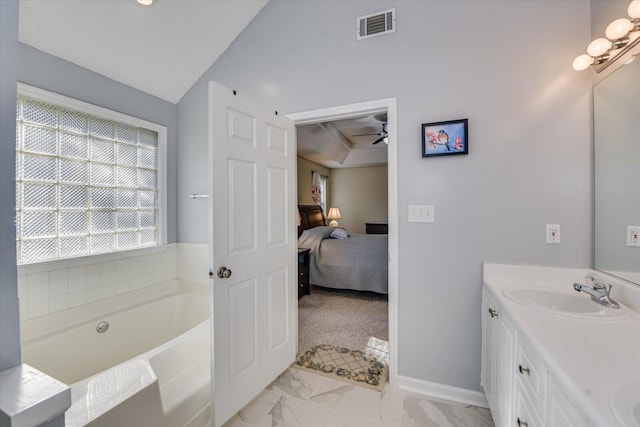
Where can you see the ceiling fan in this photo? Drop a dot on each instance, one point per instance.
(383, 135)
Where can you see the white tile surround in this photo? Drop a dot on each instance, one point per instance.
(193, 262)
(51, 287)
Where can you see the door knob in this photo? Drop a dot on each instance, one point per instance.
(224, 273)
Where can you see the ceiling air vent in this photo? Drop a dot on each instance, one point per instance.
(377, 24)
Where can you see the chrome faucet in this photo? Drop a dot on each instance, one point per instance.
(598, 291)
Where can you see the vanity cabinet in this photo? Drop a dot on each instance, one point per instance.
(519, 388)
(560, 411)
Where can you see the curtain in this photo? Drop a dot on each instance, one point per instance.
(316, 188)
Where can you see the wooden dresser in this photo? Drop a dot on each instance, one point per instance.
(376, 228)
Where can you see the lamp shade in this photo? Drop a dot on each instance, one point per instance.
(333, 215)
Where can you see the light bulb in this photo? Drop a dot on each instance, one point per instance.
(634, 9)
(618, 29)
(598, 47)
(582, 62)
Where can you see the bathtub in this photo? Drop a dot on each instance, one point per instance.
(149, 367)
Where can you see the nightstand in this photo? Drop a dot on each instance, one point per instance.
(303, 271)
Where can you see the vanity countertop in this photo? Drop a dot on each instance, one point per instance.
(589, 359)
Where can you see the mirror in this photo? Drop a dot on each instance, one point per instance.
(616, 123)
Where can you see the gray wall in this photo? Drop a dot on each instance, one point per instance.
(506, 65)
(9, 326)
(51, 73)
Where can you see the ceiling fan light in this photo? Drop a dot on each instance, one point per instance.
(634, 9)
(145, 2)
(598, 47)
(618, 29)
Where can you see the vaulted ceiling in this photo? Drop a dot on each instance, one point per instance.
(163, 49)
(160, 49)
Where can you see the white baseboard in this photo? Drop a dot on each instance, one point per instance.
(442, 391)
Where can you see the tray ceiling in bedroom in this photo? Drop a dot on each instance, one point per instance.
(345, 143)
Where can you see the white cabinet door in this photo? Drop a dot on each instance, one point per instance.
(505, 375)
(498, 356)
(253, 242)
(489, 345)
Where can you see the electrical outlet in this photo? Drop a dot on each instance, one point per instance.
(553, 233)
(633, 235)
(421, 213)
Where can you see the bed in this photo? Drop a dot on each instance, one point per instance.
(358, 263)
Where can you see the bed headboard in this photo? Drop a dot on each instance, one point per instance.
(310, 216)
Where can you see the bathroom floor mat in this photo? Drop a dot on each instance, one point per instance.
(367, 368)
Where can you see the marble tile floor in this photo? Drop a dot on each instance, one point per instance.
(302, 399)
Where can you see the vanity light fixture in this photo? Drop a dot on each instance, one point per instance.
(621, 35)
(599, 47)
(634, 9)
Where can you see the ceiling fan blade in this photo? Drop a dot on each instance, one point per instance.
(367, 134)
(379, 140)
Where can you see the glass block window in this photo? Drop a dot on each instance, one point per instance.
(84, 184)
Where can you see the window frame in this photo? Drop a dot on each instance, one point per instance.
(105, 113)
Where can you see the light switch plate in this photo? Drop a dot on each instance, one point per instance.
(421, 213)
(553, 234)
(633, 235)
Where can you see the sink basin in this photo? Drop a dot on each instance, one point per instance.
(625, 404)
(563, 303)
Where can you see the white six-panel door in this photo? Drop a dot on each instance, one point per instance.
(253, 242)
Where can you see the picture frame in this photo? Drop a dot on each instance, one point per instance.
(445, 138)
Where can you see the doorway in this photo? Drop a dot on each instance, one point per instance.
(377, 107)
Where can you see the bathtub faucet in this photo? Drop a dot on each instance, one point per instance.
(598, 291)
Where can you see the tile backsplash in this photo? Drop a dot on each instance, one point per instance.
(193, 262)
(43, 291)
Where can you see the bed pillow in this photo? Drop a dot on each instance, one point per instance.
(340, 234)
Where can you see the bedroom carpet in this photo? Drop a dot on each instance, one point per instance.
(341, 318)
